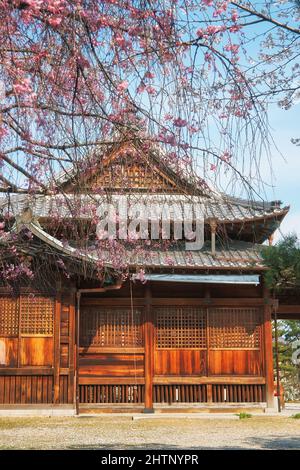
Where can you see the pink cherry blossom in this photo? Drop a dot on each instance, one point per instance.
(122, 86)
(23, 86)
(178, 122)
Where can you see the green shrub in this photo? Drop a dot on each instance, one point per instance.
(244, 415)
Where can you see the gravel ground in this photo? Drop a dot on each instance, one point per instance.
(121, 432)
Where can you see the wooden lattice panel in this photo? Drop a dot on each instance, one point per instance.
(110, 327)
(179, 394)
(234, 328)
(180, 328)
(9, 316)
(131, 175)
(37, 315)
(240, 393)
(113, 394)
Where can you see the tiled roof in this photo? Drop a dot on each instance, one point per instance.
(223, 208)
(237, 255)
(234, 255)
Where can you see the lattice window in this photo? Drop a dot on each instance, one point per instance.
(234, 328)
(180, 327)
(110, 327)
(9, 316)
(37, 315)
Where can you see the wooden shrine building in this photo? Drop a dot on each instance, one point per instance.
(196, 335)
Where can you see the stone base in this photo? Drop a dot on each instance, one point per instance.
(36, 410)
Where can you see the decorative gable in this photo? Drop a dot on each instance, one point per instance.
(127, 169)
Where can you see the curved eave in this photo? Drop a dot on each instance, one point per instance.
(276, 214)
(67, 250)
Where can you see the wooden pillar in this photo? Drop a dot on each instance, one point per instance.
(277, 363)
(57, 314)
(72, 348)
(268, 349)
(213, 228)
(78, 297)
(149, 352)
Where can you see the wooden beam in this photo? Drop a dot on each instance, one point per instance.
(149, 352)
(200, 301)
(27, 371)
(99, 350)
(288, 312)
(90, 380)
(112, 302)
(217, 379)
(222, 302)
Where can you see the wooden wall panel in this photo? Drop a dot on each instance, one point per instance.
(63, 389)
(111, 365)
(67, 345)
(24, 389)
(180, 362)
(235, 362)
(36, 351)
(8, 352)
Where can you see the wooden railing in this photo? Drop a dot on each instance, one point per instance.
(238, 393)
(170, 394)
(111, 393)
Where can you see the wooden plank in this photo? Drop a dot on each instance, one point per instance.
(209, 393)
(112, 302)
(94, 380)
(139, 302)
(111, 365)
(10, 352)
(286, 309)
(226, 302)
(7, 390)
(235, 362)
(208, 380)
(149, 349)
(27, 371)
(94, 350)
(180, 362)
(288, 312)
(36, 351)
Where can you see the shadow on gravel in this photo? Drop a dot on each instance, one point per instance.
(150, 446)
(271, 443)
(275, 442)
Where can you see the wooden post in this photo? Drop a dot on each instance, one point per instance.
(149, 351)
(268, 340)
(78, 295)
(213, 228)
(57, 344)
(209, 393)
(72, 348)
(277, 363)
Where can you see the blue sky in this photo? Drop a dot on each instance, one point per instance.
(286, 180)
